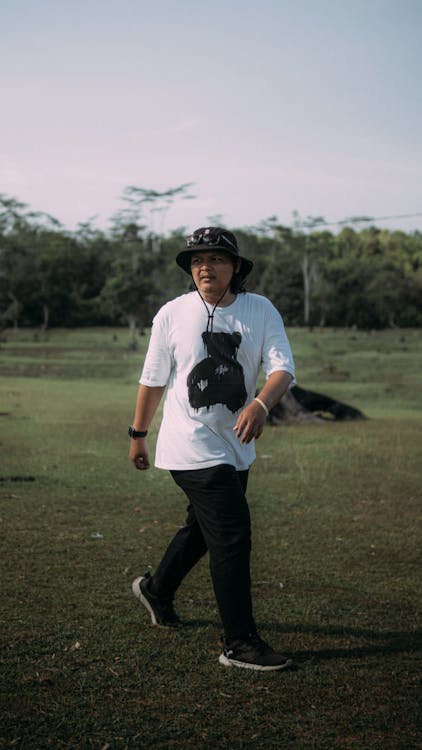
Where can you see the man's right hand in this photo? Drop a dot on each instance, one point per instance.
(139, 453)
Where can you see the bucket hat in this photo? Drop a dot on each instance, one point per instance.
(212, 238)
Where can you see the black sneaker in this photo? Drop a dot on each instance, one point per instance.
(161, 611)
(253, 653)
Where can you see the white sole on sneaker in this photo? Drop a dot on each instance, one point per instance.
(139, 595)
(257, 667)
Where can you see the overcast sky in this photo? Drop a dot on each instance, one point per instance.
(267, 106)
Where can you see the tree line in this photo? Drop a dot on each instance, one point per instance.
(49, 277)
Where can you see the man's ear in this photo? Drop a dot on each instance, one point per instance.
(237, 266)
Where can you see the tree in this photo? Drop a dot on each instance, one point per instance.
(129, 292)
(281, 278)
(368, 277)
(16, 260)
(159, 203)
(309, 260)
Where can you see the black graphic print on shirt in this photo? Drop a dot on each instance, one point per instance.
(219, 378)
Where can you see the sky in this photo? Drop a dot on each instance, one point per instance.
(267, 107)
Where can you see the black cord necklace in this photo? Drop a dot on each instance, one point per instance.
(210, 323)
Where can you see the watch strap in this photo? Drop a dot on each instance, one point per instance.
(137, 433)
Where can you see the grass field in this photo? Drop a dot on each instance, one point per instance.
(336, 576)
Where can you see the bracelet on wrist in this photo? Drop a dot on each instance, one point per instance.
(264, 406)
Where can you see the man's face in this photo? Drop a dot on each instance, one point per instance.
(212, 271)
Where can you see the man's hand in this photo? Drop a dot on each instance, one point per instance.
(250, 423)
(139, 453)
(146, 406)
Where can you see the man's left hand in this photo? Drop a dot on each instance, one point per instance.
(250, 423)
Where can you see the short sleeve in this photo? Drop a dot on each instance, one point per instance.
(158, 361)
(276, 351)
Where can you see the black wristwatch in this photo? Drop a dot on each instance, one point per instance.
(136, 433)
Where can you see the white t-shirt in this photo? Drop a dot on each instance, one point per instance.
(211, 376)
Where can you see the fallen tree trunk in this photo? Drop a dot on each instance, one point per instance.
(301, 405)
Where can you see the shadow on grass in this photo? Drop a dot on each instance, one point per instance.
(386, 642)
(392, 641)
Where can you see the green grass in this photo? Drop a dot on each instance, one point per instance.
(336, 517)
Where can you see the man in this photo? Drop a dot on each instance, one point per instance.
(207, 347)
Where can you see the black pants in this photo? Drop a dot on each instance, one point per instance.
(218, 520)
